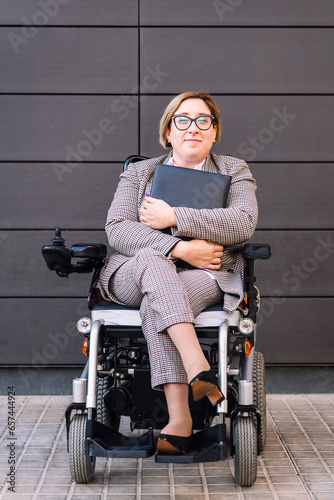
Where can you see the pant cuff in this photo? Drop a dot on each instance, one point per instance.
(160, 380)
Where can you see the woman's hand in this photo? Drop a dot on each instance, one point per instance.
(157, 214)
(199, 253)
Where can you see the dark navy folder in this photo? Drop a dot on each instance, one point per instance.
(185, 187)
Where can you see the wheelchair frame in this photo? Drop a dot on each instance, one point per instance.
(116, 379)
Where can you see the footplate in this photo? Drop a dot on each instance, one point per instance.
(208, 445)
(106, 442)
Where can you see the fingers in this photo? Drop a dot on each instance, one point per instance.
(147, 205)
(217, 248)
(213, 247)
(214, 267)
(149, 201)
(142, 215)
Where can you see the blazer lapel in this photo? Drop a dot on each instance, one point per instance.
(212, 165)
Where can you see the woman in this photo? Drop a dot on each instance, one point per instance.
(143, 268)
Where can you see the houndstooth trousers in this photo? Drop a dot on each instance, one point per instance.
(166, 296)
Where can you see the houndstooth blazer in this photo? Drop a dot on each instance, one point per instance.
(231, 226)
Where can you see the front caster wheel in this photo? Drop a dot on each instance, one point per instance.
(245, 451)
(82, 467)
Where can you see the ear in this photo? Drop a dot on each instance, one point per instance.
(215, 131)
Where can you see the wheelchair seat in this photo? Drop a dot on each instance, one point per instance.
(116, 314)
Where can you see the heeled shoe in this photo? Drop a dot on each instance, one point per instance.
(205, 384)
(174, 444)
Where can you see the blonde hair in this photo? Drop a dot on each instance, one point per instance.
(174, 105)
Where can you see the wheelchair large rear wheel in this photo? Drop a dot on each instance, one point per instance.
(259, 396)
(245, 451)
(82, 467)
(103, 415)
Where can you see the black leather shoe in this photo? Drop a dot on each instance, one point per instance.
(205, 384)
(173, 444)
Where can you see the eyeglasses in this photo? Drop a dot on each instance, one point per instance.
(183, 122)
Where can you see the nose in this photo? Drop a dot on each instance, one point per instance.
(193, 127)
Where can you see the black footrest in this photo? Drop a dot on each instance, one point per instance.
(106, 442)
(208, 446)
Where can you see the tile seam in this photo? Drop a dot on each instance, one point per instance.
(171, 481)
(139, 474)
(106, 479)
(204, 482)
(266, 473)
(70, 490)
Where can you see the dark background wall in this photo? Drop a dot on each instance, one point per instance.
(83, 85)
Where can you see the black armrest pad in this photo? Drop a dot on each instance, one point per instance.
(255, 251)
(89, 250)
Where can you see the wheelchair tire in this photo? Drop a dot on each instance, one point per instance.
(259, 396)
(103, 415)
(245, 451)
(82, 467)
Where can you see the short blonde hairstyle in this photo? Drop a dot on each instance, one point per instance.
(174, 105)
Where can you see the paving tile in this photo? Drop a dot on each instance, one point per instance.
(162, 481)
(323, 496)
(223, 490)
(250, 494)
(79, 497)
(322, 487)
(52, 497)
(317, 478)
(124, 497)
(158, 490)
(18, 496)
(290, 496)
(272, 470)
(289, 488)
(312, 469)
(155, 497)
(225, 496)
(121, 490)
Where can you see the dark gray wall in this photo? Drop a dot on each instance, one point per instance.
(83, 85)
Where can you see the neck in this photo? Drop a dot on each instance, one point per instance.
(186, 162)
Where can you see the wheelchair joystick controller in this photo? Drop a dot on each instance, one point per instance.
(58, 240)
(57, 256)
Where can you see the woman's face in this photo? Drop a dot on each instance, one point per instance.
(193, 145)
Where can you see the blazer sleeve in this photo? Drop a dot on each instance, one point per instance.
(126, 234)
(234, 224)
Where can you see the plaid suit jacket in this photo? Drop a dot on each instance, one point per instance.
(231, 226)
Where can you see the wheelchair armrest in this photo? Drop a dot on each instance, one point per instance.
(59, 258)
(97, 251)
(253, 251)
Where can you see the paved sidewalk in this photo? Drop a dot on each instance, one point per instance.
(297, 464)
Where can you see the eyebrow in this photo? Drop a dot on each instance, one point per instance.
(187, 114)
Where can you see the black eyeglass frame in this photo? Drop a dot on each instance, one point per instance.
(193, 120)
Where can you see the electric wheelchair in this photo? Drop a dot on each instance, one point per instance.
(116, 379)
